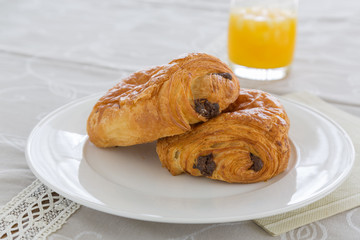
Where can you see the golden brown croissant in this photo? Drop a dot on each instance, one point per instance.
(245, 144)
(162, 101)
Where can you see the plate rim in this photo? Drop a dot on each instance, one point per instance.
(153, 218)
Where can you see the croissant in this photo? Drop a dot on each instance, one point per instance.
(247, 143)
(162, 101)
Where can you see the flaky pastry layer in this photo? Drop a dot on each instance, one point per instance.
(162, 101)
(247, 143)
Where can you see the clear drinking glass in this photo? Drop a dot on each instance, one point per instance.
(261, 38)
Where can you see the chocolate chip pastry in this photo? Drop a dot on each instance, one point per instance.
(162, 101)
(247, 143)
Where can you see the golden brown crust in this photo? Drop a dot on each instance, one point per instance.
(245, 144)
(162, 101)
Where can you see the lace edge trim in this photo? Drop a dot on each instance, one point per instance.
(59, 222)
(56, 223)
(15, 200)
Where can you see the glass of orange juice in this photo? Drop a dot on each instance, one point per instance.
(261, 38)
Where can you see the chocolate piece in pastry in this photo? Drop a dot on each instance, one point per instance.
(247, 143)
(162, 101)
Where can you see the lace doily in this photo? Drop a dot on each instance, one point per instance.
(34, 213)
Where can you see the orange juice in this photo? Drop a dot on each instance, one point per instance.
(261, 38)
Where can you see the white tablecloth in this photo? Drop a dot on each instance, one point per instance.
(53, 52)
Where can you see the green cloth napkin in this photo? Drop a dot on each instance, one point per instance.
(345, 197)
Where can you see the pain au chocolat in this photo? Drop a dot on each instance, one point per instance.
(247, 143)
(162, 101)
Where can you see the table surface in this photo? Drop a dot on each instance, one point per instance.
(53, 52)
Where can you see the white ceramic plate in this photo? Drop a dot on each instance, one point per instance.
(130, 182)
